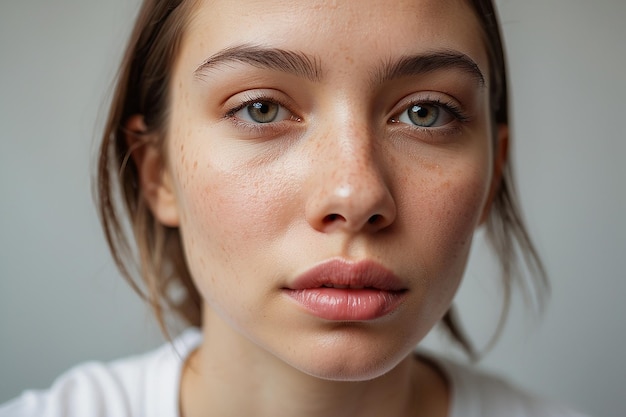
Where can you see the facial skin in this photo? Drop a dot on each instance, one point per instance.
(258, 204)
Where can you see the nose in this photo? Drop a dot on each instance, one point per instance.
(347, 186)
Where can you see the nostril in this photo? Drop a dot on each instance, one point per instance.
(375, 218)
(332, 217)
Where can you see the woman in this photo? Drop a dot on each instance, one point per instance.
(311, 175)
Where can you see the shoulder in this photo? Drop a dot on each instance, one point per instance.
(140, 385)
(478, 393)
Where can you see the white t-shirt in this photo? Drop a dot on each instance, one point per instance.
(148, 385)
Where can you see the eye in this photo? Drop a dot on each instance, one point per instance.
(262, 111)
(426, 115)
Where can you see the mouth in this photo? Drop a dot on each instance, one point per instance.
(352, 287)
(342, 274)
(339, 290)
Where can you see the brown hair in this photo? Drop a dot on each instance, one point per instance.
(143, 247)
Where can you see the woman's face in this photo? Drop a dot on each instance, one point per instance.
(315, 144)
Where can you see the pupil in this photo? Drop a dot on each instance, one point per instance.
(263, 111)
(424, 115)
(420, 111)
(262, 107)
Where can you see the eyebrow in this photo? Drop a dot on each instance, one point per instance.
(426, 63)
(297, 63)
(309, 67)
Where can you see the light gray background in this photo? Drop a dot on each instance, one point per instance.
(62, 302)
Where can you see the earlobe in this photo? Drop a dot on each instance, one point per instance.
(155, 180)
(501, 153)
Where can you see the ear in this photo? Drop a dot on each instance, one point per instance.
(155, 181)
(501, 153)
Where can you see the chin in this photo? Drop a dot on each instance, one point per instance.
(352, 371)
(352, 360)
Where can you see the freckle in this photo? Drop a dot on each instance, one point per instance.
(195, 164)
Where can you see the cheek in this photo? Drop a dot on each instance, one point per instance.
(230, 214)
(443, 213)
(441, 216)
(458, 202)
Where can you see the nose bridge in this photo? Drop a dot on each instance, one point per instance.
(350, 155)
(349, 189)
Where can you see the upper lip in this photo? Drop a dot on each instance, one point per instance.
(340, 273)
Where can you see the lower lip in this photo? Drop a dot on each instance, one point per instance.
(344, 304)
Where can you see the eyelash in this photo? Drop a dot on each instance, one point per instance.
(258, 127)
(250, 101)
(452, 108)
(449, 107)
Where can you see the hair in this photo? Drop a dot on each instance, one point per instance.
(150, 255)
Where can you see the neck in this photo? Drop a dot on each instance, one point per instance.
(230, 375)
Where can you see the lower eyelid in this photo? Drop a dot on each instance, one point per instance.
(428, 134)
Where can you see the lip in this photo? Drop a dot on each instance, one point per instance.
(341, 290)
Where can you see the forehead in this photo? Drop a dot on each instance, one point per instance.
(335, 31)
